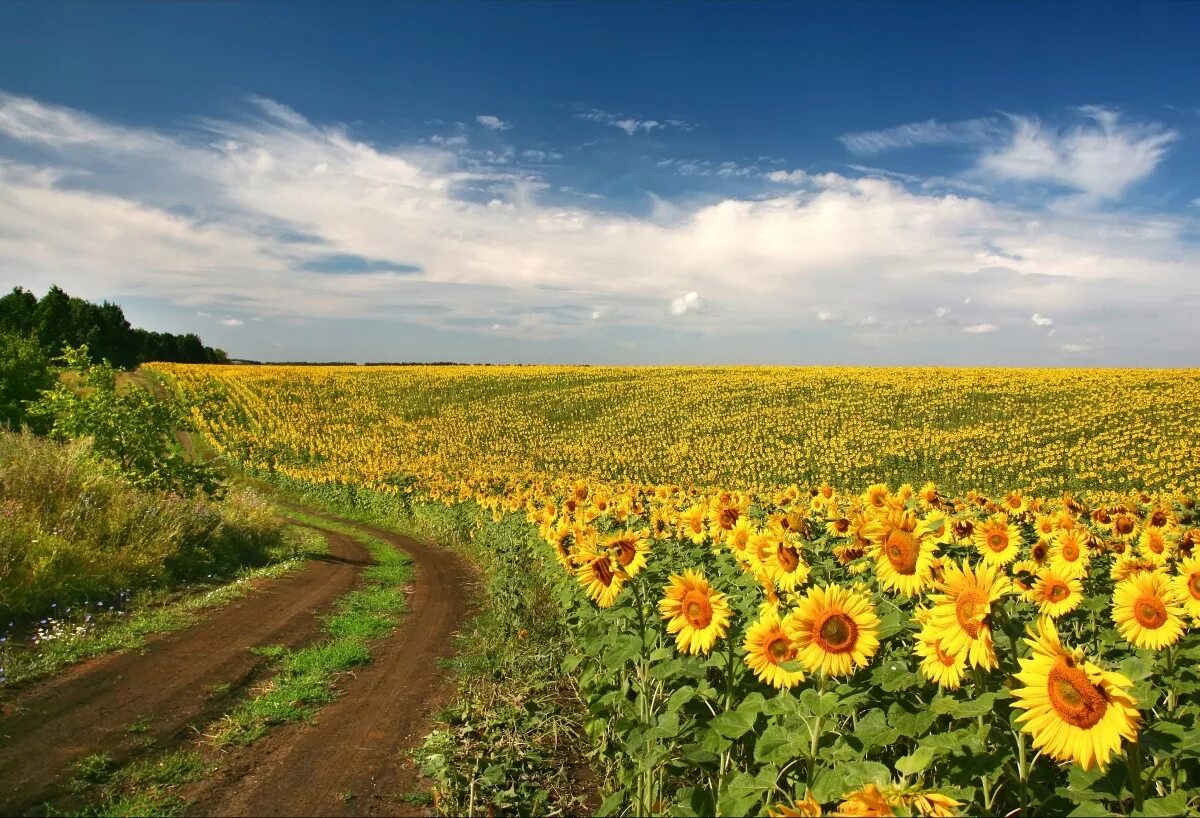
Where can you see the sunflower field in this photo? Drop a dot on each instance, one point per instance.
(806, 592)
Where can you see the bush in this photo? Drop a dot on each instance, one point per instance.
(24, 373)
(72, 528)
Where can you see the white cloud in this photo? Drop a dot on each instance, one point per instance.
(231, 217)
(231, 322)
(631, 124)
(1039, 320)
(788, 177)
(684, 304)
(941, 312)
(493, 123)
(981, 329)
(596, 315)
(1101, 158)
(1075, 348)
(826, 316)
(914, 134)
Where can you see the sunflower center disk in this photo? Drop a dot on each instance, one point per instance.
(780, 649)
(603, 570)
(1075, 699)
(1070, 552)
(1058, 592)
(788, 559)
(697, 610)
(1194, 585)
(997, 542)
(902, 553)
(836, 633)
(969, 610)
(1150, 612)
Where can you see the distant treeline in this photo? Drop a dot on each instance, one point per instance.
(368, 363)
(58, 320)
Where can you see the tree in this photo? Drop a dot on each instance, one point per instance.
(127, 425)
(24, 373)
(17, 311)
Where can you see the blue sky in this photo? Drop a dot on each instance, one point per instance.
(865, 183)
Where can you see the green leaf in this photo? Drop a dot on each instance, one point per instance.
(624, 647)
(909, 723)
(820, 704)
(917, 761)
(680, 697)
(894, 676)
(734, 723)
(873, 731)
(1174, 804)
(611, 803)
(739, 795)
(832, 784)
(969, 709)
(777, 745)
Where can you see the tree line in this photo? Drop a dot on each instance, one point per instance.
(58, 321)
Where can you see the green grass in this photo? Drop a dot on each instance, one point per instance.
(305, 678)
(157, 612)
(144, 787)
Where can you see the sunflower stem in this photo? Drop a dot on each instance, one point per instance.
(1133, 762)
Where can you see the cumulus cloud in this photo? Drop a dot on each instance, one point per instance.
(787, 177)
(1039, 320)
(493, 123)
(231, 322)
(981, 329)
(240, 216)
(687, 303)
(941, 312)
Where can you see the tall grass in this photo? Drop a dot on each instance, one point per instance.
(72, 530)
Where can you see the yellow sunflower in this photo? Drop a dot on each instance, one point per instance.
(767, 647)
(959, 617)
(1125, 567)
(1073, 710)
(809, 807)
(629, 548)
(1070, 555)
(600, 575)
(697, 615)
(692, 524)
(997, 541)
(904, 552)
(784, 563)
(1187, 586)
(1056, 595)
(938, 666)
(834, 629)
(876, 497)
(1155, 545)
(738, 539)
(1147, 612)
(867, 802)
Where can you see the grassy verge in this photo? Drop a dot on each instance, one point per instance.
(512, 741)
(148, 613)
(144, 788)
(304, 681)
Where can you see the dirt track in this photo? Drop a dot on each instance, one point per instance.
(351, 762)
(185, 679)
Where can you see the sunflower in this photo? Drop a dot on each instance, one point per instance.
(876, 497)
(1024, 574)
(938, 666)
(867, 802)
(600, 575)
(767, 647)
(1073, 710)
(691, 524)
(738, 539)
(1056, 595)
(1187, 586)
(1147, 612)
(1070, 555)
(698, 615)
(807, 808)
(1125, 567)
(1044, 526)
(1155, 545)
(903, 553)
(834, 629)
(629, 548)
(960, 612)
(916, 801)
(998, 541)
(928, 496)
(785, 564)
(1015, 503)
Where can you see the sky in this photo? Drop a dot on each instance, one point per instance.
(617, 183)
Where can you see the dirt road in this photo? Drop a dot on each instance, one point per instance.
(183, 680)
(352, 761)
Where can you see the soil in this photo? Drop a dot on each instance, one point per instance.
(353, 760)
(177, 682)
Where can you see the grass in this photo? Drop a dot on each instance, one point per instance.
(144, 787)
(156, 612)
(305, 678)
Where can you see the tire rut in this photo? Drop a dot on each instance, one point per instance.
(352, 760)
(177, 681)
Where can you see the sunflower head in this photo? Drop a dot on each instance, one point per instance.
(768, 647)
(1073, 710)
(696, 614)
(834, 630)
(1147, 611)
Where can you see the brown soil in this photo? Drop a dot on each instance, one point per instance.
(352, 761)
(178, 681)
